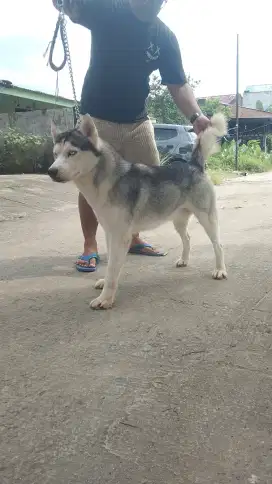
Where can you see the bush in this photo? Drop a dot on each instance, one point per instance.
(24, 153)
(269, 143)
(216, 176)
(251, 158)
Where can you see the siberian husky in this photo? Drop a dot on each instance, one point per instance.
(129, 198)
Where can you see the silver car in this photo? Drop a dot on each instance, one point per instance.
(174, 141)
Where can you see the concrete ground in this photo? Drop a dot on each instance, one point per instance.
(172, 386)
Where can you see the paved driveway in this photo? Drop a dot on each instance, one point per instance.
(173, 386)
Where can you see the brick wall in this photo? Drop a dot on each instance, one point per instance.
(38, 122)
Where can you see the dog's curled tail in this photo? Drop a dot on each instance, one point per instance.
(206, 144)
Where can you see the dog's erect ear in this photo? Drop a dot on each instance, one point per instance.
(53, 131)
(88, 128)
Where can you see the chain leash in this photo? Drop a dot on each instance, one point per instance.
(61, 28)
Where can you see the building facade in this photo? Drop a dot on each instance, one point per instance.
(258, 97)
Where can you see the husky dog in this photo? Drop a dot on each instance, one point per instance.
(129, 198)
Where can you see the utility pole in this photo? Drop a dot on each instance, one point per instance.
(237, 106)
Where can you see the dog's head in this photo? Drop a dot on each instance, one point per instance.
(76, 151)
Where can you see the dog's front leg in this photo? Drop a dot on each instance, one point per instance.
(100, 283)
(118, 245)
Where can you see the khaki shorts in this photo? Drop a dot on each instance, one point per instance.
(135, 142)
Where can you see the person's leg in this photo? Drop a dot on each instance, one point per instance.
(89, 227)
(88, 260)
(139, 146)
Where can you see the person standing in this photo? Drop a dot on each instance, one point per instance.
(129, 43)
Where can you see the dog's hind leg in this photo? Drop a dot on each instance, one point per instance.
(118, 248)
(181, 225)
(209, 222)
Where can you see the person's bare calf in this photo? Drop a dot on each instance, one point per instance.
(89, 228)
(87, 262)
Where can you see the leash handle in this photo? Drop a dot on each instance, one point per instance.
(58, 29)
(61, 28)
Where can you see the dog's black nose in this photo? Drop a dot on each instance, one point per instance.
(53, 172)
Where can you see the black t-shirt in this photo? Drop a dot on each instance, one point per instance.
(125, 51)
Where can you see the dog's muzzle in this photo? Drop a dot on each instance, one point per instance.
(53, 173)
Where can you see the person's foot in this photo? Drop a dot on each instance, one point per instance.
(139, 247)
(87, 262)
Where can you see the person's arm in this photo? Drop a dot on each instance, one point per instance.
(82, 12)
(173, 76)
(184, 98)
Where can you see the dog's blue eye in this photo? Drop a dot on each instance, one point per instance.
(72, 153)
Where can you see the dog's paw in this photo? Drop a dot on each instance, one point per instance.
(219, 274)
(99, 284)
(102, 303)
(181, 263)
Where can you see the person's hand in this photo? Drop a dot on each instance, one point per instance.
(201, 123)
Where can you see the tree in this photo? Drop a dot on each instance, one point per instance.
(213, 105)
(162, 108)
(259, 105)
(160, 104)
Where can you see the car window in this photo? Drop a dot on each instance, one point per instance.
(193, 136)
(162, 134)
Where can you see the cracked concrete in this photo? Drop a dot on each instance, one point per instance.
(173, 386)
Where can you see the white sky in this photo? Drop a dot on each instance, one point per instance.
(206, 31)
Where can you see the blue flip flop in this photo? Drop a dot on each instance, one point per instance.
(139, 249)
(88, 258)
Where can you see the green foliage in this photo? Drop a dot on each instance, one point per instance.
(251, 158)
(269, 143)
(162, 108)
(213, 105)
(160, 104)
(259, 105)
(222, 164)
(216, 176)
(24, 153)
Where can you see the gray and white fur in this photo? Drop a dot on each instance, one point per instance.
(130, 198)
